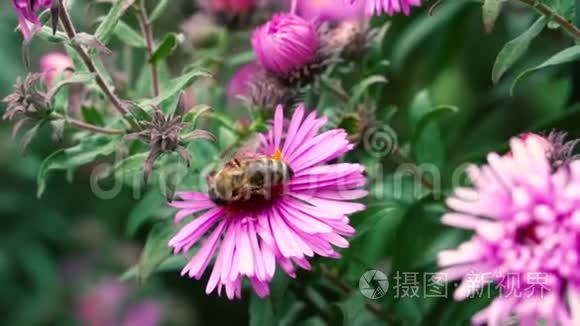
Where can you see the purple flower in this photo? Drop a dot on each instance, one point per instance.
(146, 313)
(285, 43)
(236, 7)
(241, 81)
(309, 217)
(525, 215)
(390, 7)
(330, 10)
(26, 12)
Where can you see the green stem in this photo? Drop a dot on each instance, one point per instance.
(70, 31)
(149, 42)
(552, 15)
(86, 126)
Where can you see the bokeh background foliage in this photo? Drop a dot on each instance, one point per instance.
(440, 100)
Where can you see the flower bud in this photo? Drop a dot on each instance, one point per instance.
(285, 44)
(54, 64)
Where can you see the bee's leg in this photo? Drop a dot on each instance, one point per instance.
(262, 192)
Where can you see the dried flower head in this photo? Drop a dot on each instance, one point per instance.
(164, 135)
(27, 103)
(348, 39)
(266, 91)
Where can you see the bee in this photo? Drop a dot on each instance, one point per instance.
(248, 178)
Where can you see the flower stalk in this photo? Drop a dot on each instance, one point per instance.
(85, 126)
(70, 31)
(147, 31)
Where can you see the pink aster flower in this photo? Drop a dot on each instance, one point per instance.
(236, 7)
(240, 82)
(309, 217)
(53, 64)
(26, 12)
(525, 215)
(285, 44)
(330, 10)
(390, 7)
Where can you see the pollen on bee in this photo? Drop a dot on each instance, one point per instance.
(277, 155)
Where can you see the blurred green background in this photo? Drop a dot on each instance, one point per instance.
(56, 249)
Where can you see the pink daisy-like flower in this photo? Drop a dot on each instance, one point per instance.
(390, 7)
(309, 217)
(285, 44)
(330, 10)
(26, 12)
(53, 64)
(525, 215)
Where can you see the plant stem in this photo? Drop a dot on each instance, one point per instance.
(570, 28)
(347, 288)
(149, 42)
(336, 90)
(86, 126)
(88, 61)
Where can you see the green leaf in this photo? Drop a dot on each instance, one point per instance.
(242, 58)
(128, 35)
(158, 11)
(107, 28)
(45, 33)
(431, 117)
(491, 10)
(171, 264)
(156, 250)
(166, 48)
(85, 152)
(261, 311)
(360, 89)
(153, 204)
(428, 145)
(92, 116)
(76, 78)
(565, 56)
(421, 28)
(173, 87)
(354, 311)
(515, 49)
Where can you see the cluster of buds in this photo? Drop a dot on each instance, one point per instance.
(349, 39)
(164, 134)
(27, 103)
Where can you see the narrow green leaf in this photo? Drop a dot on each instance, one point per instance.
(173, 87)
(166, 48)
(428, 146)
(156, 250)
(565, 56)
(158, 11)
(515, 49)
(107, 28)
(85, 152)
(128, 35)
(171, 264)
(360, 89)
(261, 312)
(92, 116)
(76, 78)
(152, 205)
(431, 117)
(491, 10)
